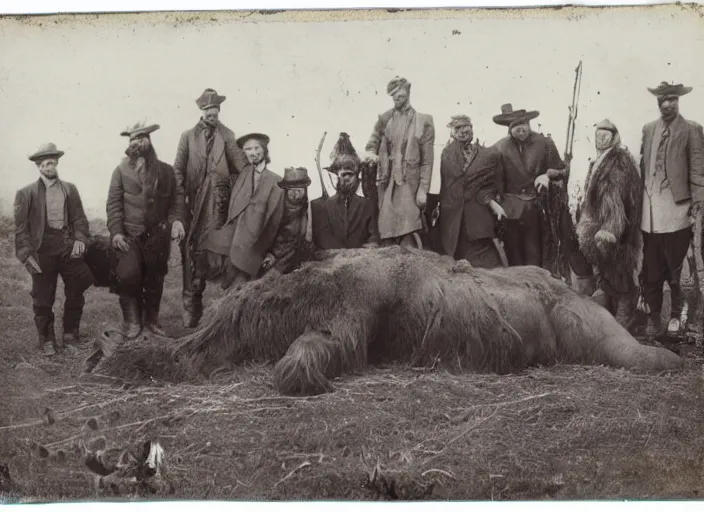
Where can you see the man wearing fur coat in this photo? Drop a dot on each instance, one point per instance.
(208, 160)
(468, 197)
(608, 223)
(51, 234)
(402, 145)
(672, 169)
(144, 210)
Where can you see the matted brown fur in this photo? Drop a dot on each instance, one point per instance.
(356, 307)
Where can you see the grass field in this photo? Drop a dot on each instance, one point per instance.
(566, 432)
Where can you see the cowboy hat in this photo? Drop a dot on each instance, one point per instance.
(48, 150)
(209, 98)
(261, 137)
(139, 129)
(508, 116)
(295, 177)
(665, 90)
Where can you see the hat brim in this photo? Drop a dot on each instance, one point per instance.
(508, 119)
(670, 92)
(215, 102)
(295, 184)
(257, 136)
(46, 154)
(142, 131)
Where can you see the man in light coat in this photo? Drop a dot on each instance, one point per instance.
(51, 233)
(208, 160)
(672, 169)
(402, 145)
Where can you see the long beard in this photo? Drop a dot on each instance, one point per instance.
(347, 189)
(669, 114)
(144, 161)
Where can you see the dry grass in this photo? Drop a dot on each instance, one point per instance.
(566, 432)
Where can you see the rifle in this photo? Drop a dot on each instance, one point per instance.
(573, 111)
(317, 164)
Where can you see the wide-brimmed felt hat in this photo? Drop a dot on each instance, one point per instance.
(139, 129)
(48, 150)
(295, 177)
(665, 90)
(508, 116)
(209, 98)
(261, 137)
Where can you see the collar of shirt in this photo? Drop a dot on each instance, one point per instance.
(259, 168)
(47, 182)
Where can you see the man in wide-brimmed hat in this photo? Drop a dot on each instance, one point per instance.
(402, 144)
(468, 197)
(345, 220)
(256, 208)
(530, 164)
(145, 211)
(51, 234)
(208, 160)
(672, 168)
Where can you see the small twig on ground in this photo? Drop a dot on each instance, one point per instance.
(465, 415)
(442, 471)
(461, 435)
(300, 466)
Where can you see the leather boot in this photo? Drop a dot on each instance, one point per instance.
(193, 305)
(57, 342)
(132, 316)
(45, 343)
(152, 302)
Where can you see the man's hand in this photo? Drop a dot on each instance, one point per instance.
(556, 174)
(421, 199)
(32, 266)
(542, 181)
(497, 209)
(177, 231)
(79, 249)
(371, 157)
(120, 243)
(268, 261)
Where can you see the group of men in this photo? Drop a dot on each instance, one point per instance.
(234, 219)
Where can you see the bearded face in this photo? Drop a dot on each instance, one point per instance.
(47, 168)
(463, 134)
(296, 196)
(139, 146)
(347, 182)
(211, 115)
(669, 108)
(401, 98)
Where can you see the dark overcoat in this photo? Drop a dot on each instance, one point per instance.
(332, 229)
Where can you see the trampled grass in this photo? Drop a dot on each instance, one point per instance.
(566, 432)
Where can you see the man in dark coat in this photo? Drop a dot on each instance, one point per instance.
(468, 174)
(208, 160)
(51, 233)
(144, 213)
(672, 169)
(345, 220)
(608, 223)
(530, 164)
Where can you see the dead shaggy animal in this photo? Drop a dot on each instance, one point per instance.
(367, 306)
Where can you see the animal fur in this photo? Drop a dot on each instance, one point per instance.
(613, 202)
(369, 306)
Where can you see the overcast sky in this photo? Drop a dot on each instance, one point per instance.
(80, 81)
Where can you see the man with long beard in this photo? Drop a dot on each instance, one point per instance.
(208, 160)
(51, 233)
(468, 197)
(345, 220)
(144, 210)
(672, 168)
(402, 145)
(530, 164)
(608, 223)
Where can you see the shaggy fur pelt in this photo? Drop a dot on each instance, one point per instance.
(368, 306)
(613, 203)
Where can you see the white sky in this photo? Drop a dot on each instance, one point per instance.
(80, 81)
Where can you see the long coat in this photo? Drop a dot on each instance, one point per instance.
(331, 230)
(133, 208)
(684, 160)
(466, 194)
(30, 217)
(253, 220)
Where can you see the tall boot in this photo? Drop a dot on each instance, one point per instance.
(193, 308)
(72, 321)
(152, 301)
(132, 316)
(624, 311)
